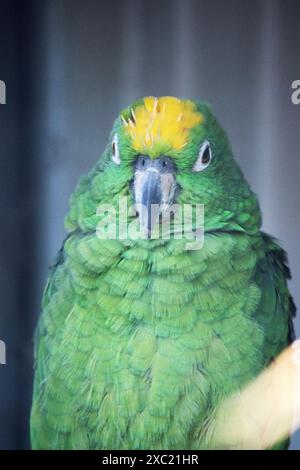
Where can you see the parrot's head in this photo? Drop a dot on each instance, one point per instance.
(166, 151)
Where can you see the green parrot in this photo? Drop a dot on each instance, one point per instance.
(141, 337)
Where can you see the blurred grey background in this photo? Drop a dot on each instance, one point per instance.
(69, 67)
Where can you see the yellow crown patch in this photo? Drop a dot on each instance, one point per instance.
(161, 124)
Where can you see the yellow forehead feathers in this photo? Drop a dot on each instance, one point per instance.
(161, 124)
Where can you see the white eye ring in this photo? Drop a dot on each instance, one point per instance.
(115, 150)
(204, 157)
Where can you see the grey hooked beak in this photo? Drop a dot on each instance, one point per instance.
(154, 189)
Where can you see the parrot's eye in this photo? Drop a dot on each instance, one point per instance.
(204, 157)
(115, 150)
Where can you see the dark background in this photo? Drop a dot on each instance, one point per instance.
(69, 67)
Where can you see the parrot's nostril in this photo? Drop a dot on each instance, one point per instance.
(142, 162)
(164, 164)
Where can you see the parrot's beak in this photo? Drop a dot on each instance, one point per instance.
(154, 189)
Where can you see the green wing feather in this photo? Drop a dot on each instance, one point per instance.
(277, 308)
